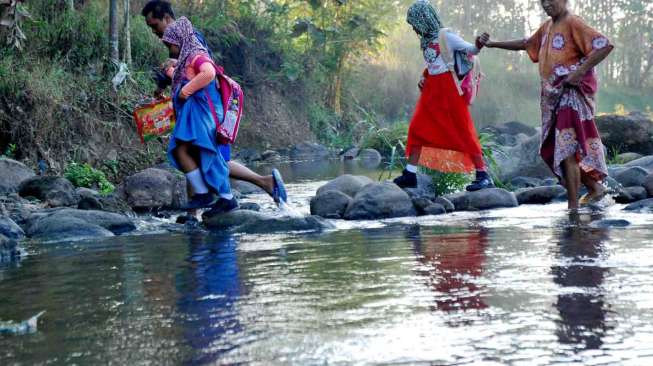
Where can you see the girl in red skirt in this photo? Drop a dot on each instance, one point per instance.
(441, 135)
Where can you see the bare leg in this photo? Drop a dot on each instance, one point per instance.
(413, 159)
(595, 188)
(241, 172)
(572, 178)
(184, 158)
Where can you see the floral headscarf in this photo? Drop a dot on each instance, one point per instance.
(182, 34)
(425, 19)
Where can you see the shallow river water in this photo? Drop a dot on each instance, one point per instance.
(526, 286)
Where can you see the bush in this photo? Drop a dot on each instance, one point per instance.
(83, 175)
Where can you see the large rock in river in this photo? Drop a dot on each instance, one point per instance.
(523, 160)
(633, 133)
(630, 194)
(55, 191)
(44, 224)
(252, 222)
(380, 201)
(539, 195)
(330, 204)
(13, 174)
(155, 188)
(645, 162)
(641, 206)
(631, 177)
(10, 229)
(310, 151)
(347, 184)
(64, 228)
(483, 200)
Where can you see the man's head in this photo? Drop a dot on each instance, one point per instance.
(158, 15)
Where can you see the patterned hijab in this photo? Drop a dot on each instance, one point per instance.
(425, 19)
(181, 34)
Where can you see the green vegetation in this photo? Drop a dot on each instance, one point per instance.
(83, 175)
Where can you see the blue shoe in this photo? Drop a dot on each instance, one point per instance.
(222, 206)
(198, 201)
(483, 181)
(279, 193)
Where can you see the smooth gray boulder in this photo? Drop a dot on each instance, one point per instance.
(55, 191)
(485, 199)
(13, 174)
(630, 195)
(523, 160)
(115, 223)
(425, 188)
(633, 132)
(525, 182)
(421, 204)
(330, 205)
(252, 222)
(434, 210)
(448, 205)
(641, 206)
(631, 177)
(63, 228)
(380, 201)
(310, 151)
(648, 185)
(539, 195)
(645, 162)
(10, 229)
(347, 184)
(370, 158)
(155, 188)
(629, 156)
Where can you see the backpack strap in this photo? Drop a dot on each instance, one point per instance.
(448, 57)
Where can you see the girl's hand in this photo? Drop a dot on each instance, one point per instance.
(482, 40)
(574, 78)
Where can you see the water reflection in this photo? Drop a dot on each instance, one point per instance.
(583, 309)
(452, 262)
(210, 288)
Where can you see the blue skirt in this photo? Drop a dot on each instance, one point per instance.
(196, 125)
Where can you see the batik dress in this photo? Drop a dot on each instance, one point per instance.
(568, 126)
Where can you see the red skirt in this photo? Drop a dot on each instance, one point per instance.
(443, 129)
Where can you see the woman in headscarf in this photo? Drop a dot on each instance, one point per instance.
(567, 50)
(441, 135)
(194, 148)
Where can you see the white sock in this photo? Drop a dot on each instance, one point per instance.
(197, 182)
(227, 196)
(411, 168)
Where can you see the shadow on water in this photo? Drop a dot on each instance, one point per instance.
(583, 312)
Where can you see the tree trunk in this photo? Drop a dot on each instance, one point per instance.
(128, 38)
(113, 31)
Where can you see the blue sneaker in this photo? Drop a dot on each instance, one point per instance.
(483, 181)
(198, 201)
(222, 206)
(279, 193)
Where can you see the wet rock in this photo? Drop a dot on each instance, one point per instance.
(628, 157)
(251, 206)
(523, 160)
(9, 250)
(350, 154)
(525, 182)
(155, 188)
(550, 182)
(115, 223)
(445, 203)
(630, 195)
(631, 177)
(606, 224)
(645, 162)
(421, 204)
(116, 204)
(507, 140)
(86, 192)
(309, 151)
(248, 155)
(253, 222)
(632, 133)
(648, 185)
(483, 200)
(89, 203)
(246, 188)
(539, 195)
(330, 204)
(370, 158)
(64, 228)
(55, 191)
(347, 184)
(380, 201)
(10, 229)
(270, 156)
(434, 210)
(13, 174)
(425, 188)
(641, 206)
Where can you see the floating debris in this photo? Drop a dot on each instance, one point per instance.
(28, 326)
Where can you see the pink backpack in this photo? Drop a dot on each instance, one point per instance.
(470, 84)
(232, 102)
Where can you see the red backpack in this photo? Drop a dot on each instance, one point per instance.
(232, 102)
